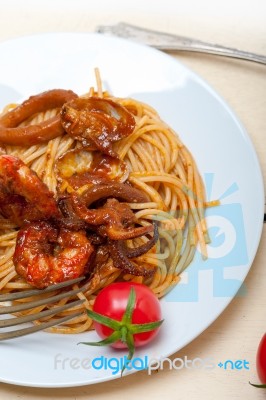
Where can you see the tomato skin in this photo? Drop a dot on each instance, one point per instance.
(261, 360)
(112, 302)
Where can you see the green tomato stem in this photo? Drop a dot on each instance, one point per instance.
(258, 386)
(131, 348)
(102, 319)
(123, 330)
(114, 337)
(149, 326)
(127, 317)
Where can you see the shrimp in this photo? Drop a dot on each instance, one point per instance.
(45, 254)
(23, 196)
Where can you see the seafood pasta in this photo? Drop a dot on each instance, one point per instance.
(94, 186)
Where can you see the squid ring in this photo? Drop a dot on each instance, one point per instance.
(12, 134)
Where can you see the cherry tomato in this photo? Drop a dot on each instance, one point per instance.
(261, 360)
(112, 302)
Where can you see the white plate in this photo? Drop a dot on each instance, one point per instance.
(227, 162)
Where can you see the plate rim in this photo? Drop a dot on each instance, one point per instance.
(244, 133)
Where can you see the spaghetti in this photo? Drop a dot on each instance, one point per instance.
(159, 165)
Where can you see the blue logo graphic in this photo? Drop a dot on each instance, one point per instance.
(232, 365)
(227, 249)
(118, 364)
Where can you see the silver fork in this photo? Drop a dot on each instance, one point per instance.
(14, 321)
(168, 42)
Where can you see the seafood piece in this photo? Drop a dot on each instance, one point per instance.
(121, 261)
(81, 167)
(12, 134)
(132, 252)
(97, 122)
(23, 196)
(116, 218)
(46, 255)
(120, 254)
(117, 190)
(99, 259)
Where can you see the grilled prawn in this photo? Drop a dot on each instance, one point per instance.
(45, 254)
(23, 196)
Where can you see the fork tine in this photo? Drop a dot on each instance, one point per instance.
(36, 328)
(33, 292)
(37, 303)
(32, 317)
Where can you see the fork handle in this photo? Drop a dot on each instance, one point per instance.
(168, 42)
